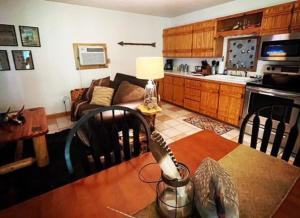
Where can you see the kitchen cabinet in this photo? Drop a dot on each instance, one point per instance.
(240, 24)
(231, 102)
(209, 98)
(174, 90)
(168, 89)
(178, 91)
(216, 99)
(192, 94)
(277, 19)
(191, 105)
(205, 42)
(178, 41)
(295, 24)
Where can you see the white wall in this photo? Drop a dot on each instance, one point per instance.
(60, 25)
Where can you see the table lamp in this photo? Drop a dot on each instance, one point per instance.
(150, 68)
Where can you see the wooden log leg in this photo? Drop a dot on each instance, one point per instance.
(19, 150)
(41, 151)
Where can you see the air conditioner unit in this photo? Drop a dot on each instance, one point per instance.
(91, 55)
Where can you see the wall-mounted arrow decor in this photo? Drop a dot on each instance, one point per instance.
(143, 44)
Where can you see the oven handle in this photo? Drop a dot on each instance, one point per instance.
(272, 92)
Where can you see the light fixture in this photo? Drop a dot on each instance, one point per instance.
(150, 68)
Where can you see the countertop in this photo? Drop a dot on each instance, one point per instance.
(218, 77)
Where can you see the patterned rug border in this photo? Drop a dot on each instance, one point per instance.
(207, 123)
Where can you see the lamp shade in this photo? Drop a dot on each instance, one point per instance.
(149, 68)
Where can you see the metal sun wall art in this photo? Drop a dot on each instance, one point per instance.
(242, 53)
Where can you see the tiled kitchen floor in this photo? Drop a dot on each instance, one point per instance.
(169, 123)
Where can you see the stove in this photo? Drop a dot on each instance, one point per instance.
(280, 85)
(279, 77)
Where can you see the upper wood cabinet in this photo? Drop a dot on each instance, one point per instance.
(277, 19)
(240, 24)
(295, 25)
(178, 41)
(205, 42)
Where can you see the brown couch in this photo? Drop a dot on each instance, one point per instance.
(80, 104)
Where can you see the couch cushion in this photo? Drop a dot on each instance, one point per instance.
(119, 78)
(128, 92)
(102, 96)
(99, 82)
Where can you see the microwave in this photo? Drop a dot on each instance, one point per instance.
(281, 47)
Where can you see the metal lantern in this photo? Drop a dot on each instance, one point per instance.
(175, 196)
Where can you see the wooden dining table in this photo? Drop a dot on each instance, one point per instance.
(119, 190)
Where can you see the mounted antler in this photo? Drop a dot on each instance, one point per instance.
(4, 116)
(15, 118)
(20, 111)
(18, 117)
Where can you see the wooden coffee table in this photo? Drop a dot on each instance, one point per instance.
(35, 127)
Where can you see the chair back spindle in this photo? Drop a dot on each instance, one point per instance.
(101, 135)
(280, 131)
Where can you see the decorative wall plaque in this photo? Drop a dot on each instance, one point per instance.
(23, 59)
(4, 63)
(242, 53)
(8, 35)
(30, 36)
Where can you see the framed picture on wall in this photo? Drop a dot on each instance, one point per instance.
(8, 35)
(4, 63)
(30, 36)
(23, 59)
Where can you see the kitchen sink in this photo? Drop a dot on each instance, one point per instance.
(230, 78)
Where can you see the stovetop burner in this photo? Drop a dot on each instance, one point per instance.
(279, 77)
(260, 83)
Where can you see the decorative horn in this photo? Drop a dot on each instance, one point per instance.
(8, 110)
(20, 111)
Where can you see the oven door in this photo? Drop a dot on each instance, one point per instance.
(283, 47)
(256, 97)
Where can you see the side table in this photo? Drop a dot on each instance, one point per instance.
(149, 115)
(35, 128)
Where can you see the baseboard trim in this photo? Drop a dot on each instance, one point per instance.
(57, 115)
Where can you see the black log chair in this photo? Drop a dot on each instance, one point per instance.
(98, 133)
(280, 130)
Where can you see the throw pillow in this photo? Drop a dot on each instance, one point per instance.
(128, 92)
(99, 82)
(215, 193)
(102, 96)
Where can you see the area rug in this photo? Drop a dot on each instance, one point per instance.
(31, 181)
(207, 123)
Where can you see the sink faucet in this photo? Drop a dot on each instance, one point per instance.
(237, 69)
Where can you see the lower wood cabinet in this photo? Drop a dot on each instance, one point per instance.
(231, 101)
(178, 94)
(215, 99)
(209, 98)
(191, 104)
(173, 90)
(168, 88)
